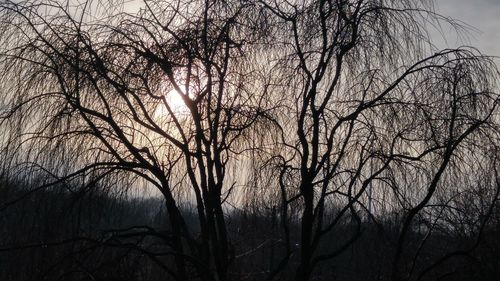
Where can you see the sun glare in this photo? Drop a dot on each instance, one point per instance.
(175, 102)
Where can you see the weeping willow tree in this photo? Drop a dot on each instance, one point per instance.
(162, 97)
(377, 120)
(331, 111)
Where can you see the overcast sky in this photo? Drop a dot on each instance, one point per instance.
(483, 15)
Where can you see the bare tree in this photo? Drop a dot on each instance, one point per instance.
(161, 96)
(374, 113)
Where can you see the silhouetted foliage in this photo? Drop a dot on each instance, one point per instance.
(244, 140)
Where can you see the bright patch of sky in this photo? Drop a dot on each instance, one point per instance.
(483, 17)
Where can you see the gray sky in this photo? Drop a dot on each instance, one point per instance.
(483, 15)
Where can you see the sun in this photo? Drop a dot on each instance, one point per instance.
(175, 101)
(177, 105)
